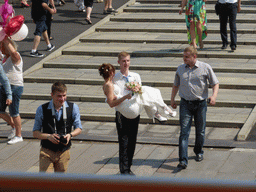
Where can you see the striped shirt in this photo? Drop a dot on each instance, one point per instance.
(193, 83)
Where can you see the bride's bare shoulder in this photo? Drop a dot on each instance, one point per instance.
(108, 86)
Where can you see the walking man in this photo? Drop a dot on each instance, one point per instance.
(53, 126)
(191, 80)
(39, 14)
(228, 12)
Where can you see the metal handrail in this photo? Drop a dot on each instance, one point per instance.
(34, 182)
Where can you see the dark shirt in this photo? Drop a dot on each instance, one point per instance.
(37, 11)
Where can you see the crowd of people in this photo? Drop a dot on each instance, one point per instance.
(42, 14)
(55, 119)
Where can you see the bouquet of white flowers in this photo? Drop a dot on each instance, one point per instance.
(134, 86)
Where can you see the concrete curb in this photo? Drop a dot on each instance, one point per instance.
(74, 41)
(248, 126)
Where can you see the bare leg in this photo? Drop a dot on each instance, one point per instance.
(106, 4)
(46, 38)
(109, 4)
(199, 33)
(88, 12)
(17, 123)
(36, 42)
(8, 119)
(193, 34)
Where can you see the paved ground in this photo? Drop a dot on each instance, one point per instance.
(235, 161)
(149, 160)
(67, 24)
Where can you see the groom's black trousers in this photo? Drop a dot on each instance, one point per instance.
(127, 130)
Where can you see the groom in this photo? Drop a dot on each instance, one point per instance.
(127, 129)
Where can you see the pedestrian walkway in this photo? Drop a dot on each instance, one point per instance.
(101, 158)
(146, 39)
(156, 47)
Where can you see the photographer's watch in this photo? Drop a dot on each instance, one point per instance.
(71, 135)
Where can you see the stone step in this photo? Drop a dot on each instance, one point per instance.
(94, 111)
(158, 27)
(94, 93)
(175, 17)
(151, 78)
(155, 133)
(157, 50)
(149, 63)
(159, 38)
(173, 8)
(245, 2)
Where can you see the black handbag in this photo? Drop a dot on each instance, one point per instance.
(217, 8)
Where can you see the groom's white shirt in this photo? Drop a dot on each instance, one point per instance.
(121, 80)
(129, 108)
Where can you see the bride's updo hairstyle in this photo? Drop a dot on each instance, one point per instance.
(106, 69)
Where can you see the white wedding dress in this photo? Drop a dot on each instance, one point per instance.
(150, 99)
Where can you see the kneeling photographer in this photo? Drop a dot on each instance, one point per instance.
(53, 126)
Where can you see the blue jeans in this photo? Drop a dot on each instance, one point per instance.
(16, 95)
(188, 110)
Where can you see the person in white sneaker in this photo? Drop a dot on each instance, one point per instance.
(53, 126)
(13, 67)
(39, 12)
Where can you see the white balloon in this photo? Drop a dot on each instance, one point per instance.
(21, 34)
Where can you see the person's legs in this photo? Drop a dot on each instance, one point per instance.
(6, 117)
(232, 23)
(17, 124)
(199, 33)
(223, 16)
(88, 12)
(46, 157)
(200, 124)
(127, 141)
(36, 42)
(132, 138)
(62, 164)
(46, 37)
(14, 112)
(48, 23)
(106, 2)
(185, 126)
(123, 142)
(193, 34)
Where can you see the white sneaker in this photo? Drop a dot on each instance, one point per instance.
(12, 134)
(15, 140)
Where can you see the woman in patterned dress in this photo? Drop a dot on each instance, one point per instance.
(196, 21)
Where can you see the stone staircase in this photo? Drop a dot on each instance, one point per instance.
(154, 34)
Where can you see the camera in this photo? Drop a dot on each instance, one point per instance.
(62, 139)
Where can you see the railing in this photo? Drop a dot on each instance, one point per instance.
(35, 182)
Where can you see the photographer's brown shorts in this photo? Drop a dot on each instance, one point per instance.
(50, 161)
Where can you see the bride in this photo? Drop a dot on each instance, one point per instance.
(132, 104)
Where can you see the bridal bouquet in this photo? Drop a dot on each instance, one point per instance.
(134, 86)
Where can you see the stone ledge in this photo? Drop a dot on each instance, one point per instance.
(248, 126)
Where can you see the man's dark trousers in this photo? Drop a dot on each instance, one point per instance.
(127, 130)
(228, 11)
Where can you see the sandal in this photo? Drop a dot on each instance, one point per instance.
(88, 21)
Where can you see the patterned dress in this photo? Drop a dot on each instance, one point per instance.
(196, 11)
